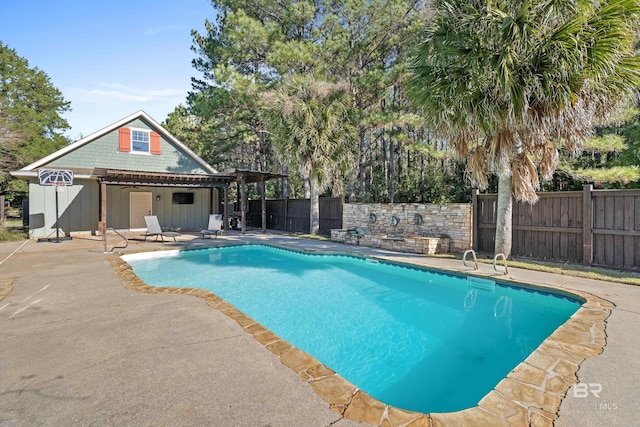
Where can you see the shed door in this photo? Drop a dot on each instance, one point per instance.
(140, 204)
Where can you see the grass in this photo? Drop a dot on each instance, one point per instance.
(12, 229)
(575, 270)
(313, 236)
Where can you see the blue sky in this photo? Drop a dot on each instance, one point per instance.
(108, 58)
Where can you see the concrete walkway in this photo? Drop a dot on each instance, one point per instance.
(77, 348)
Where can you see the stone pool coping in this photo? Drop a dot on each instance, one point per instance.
(530, 394)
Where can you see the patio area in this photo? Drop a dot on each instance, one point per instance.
(79, 348)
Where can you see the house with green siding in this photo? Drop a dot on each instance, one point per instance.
(123, 172)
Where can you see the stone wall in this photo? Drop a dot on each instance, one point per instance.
(452, 221)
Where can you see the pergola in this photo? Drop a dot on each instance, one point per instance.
(219, 180)
(244, 177)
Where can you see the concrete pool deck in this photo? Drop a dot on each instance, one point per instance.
(76, 347)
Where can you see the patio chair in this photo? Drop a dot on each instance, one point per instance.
(153, 229)
(214, 227)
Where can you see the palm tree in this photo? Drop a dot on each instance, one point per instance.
(509, 82)
(312, 127)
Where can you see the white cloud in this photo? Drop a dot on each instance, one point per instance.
(103, 103)
(115, 92)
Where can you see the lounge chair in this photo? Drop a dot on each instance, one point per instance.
(214, 227)
(153, 229)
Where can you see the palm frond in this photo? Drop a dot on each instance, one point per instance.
(524, 179)
(525, 77)
(477, 168)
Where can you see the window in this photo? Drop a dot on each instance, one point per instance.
(139, 141)
(182, 198)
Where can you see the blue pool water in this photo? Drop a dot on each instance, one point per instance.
(415, 339)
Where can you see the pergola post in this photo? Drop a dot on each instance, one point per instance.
(225, 207)
(243, 197)
(102, 224)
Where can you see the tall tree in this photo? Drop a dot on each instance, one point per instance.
(507, 82)
(254, 45)
(364, 46)
(243, 54)
(608, 160)
(10, 140)
(30, 114)
(312, 127)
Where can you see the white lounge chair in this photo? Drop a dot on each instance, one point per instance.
(214, 227)
(153, 229)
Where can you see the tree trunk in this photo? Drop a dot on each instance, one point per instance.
(385, 169)
(421, 178)
(285, 182)
(392, 170)
(314, 217)
(352, 189)
(362, 162)
(408, 163)
(371, 163)
(257, 160)
(307, 187)
(504, 217)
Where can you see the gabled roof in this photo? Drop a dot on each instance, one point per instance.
(114, 126)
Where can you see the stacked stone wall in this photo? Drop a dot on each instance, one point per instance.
(451, 221)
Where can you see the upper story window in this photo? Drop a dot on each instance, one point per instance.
(140, 141)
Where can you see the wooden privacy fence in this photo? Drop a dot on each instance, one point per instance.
(292, 215)
(592, 227)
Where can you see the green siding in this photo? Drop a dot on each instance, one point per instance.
(173, 217)
(77, 207)
(103, 153)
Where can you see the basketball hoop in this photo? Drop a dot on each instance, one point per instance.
(59, 179)
(60, 186)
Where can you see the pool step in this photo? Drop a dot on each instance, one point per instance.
(481, 284)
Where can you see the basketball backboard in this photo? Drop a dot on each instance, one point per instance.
(55, 177)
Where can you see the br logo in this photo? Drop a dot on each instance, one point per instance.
(582, 390)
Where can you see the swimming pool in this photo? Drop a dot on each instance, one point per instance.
(412, 338)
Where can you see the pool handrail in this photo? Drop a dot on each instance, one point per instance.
(119, 246)
(464, 258)
(495, 259)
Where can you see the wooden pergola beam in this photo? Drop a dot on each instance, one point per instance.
(154, 179)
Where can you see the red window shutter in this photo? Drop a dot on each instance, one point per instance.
(125, 140)
(155, 143)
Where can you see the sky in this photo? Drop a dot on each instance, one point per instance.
(109, 58)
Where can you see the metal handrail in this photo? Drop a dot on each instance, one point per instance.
(464, 258)
(495, 259)
(126, 241)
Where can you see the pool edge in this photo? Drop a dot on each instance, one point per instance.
(530, 394)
